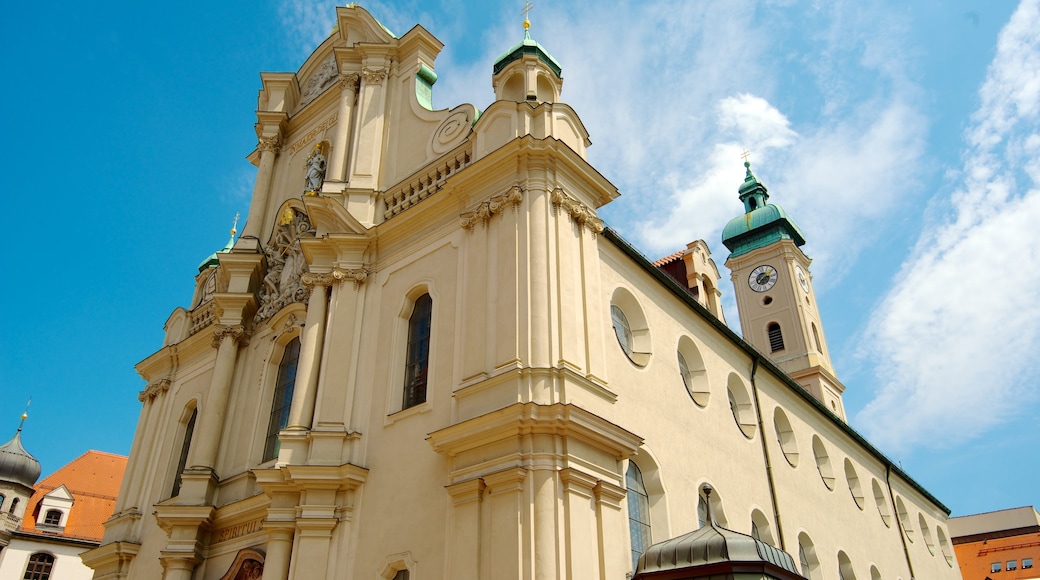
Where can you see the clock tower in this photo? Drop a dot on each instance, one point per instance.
(775, 297)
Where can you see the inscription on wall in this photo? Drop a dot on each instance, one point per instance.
(225, 534)
(306, 139)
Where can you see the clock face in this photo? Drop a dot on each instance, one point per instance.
(803, 280)
(762, 278)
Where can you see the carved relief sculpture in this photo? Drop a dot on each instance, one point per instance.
(286, 265)
(323, 78)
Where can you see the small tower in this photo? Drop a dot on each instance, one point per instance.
(527, 72)
(775, 297)
(19, 471)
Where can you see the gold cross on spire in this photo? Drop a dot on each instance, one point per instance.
(234, 227)
(527, 13)
(746, 155)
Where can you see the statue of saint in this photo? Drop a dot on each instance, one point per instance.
(316, 165)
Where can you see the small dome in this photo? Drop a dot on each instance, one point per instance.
(760, 227)
(528, 46)
(16, 464)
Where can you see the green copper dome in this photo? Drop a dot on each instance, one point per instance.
(212, 261)
(762, 223)
(528, 46)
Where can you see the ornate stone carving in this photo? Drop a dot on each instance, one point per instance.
(286, 265)
(153, 390)
(374, 76)
(582, 214)
(269, 144)
(358, 276)
(492, 206)
(349, 82)
(237, 333)
(321, 128)
(323, 78)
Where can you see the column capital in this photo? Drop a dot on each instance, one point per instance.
(317, 280)
(269, 144)
(357, 275)
(153, 390)
(374, 76)
(349, 82)
(237, 333)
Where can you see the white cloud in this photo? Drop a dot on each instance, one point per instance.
(953, 343)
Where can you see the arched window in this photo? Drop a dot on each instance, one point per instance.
(189, 430)
(638, 512)
(39, 567)
(14, 504)
(282, 400)
(776, 338)
(417, 360)
(2, 498)
(53, 518)
(816, 337)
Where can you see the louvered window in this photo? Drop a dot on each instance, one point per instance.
(776, 338)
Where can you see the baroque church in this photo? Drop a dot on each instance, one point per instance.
(427, 357)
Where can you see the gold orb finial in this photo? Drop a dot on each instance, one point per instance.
(527, 13)
(234, 226)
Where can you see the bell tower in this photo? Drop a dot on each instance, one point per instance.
(775, 297)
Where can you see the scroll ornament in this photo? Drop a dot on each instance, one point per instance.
(492, 206)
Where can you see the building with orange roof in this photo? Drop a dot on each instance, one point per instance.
(999, 545)
(63, 517)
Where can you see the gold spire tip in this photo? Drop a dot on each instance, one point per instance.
(234, 227)
(527, 14)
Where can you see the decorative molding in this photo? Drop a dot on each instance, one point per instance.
(153, 390)
(582, 214)
(269, 144)
(420, 187)
(374, 76)
(492, 206)
(349, 82)
(237, 333)
(286, 265)
(358, 276)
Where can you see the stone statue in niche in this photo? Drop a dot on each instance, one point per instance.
(316, 165)
(285, 265)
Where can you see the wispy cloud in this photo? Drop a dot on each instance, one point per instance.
(953, 343)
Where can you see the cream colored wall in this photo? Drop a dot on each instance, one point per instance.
(67, 564)
(694, 444)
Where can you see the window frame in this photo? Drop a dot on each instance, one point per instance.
(418, 338)
(37, 570)
(638, 500)
(47, 518)
(281, 398)
(182, 462)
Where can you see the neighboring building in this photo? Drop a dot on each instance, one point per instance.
(47, 529)
(427, 357)
(1000, 545)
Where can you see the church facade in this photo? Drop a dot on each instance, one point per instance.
(427, 357)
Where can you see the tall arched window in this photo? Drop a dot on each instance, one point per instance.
(14, 504)
(282, 400)
(39, 567)
(638, 512)
(417, 359)
(776, 338)
(2, 498)
(189, 430)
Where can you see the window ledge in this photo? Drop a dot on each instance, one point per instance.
(409, 412)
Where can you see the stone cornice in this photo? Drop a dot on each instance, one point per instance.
(495, 204)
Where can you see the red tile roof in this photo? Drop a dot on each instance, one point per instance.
(669, 258)
(93, 479)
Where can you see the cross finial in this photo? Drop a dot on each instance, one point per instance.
(747, 156)
(527, 13)
(234, 227)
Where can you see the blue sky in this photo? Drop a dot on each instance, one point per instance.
(903, 137)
